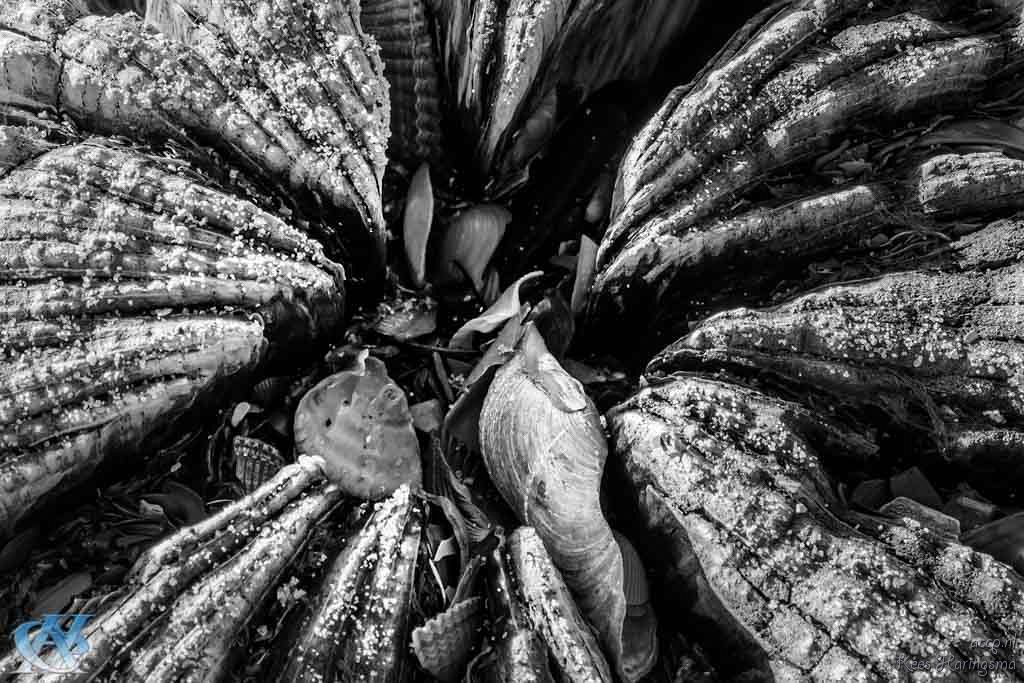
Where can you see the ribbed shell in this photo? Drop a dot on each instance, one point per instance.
(191, 596)
(551, 610)
(690, 222)
(733, 479)
(256, 462)
(359, 422)
(358, 626)
(404, 31)
(446, 642)
(130, 290)
(291, 93)
(517, 69)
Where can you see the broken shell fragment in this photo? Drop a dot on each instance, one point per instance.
(445, 644)
(470, 242)
(358, 423)
(544, 447)
(256, 462)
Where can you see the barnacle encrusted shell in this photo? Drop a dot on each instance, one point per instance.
(191, 596)
(517, 69)
(552, 611)
(892, 349)
(357, 627)
(358, 422)
(544, 447)
(290, 93)
(731, 485)
(828, 106)
(132, 289)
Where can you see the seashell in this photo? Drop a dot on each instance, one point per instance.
(269, 391)
(544, 447)
(730, 485)
(403, 31)
(470, 242)
(358, 423)
(689, 232)
(508, 65)
(942, 524)
(445, 644)
(861, 348)
(1003, 539)
(316, 139)
(634, 577)
(256, 462)
(516, 651)
(357, 627)
(552, 612)
(407, 319)
(203, 585)
(111, 333)
(416, 223)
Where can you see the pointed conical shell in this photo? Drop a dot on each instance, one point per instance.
(358, 421)
(544, 447)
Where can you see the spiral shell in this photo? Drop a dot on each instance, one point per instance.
(544, 447)
(358, 422)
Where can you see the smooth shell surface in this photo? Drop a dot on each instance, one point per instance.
(358, 421)
(544, 447)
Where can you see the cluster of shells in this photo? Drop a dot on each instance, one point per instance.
(822, 229)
